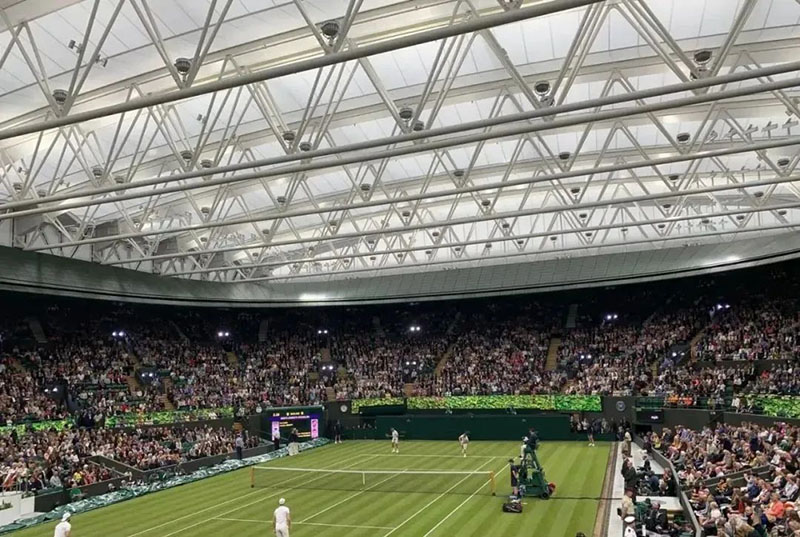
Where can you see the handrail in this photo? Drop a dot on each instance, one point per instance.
(682, 497)
(758, 470)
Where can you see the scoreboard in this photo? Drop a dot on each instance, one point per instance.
(307, 421)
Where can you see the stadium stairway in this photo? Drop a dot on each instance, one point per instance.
(16, 365)
(232, 358)
(572, 316)
(376, 323)
(552, 354)
(163, 397)
(409, 389)
(263, 331)
(133, 384)
(443, 360)
(36, 329)
(325, 354)
(670, 503)
(454, 323)
(178, 330)
(694, 341)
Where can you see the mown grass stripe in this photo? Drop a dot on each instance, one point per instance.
(577, 469)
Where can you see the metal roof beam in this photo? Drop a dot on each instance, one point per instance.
(473, 25)
(431, 145)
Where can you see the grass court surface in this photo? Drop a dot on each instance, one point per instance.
(438, 506)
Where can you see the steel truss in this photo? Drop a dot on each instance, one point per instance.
(140, 183)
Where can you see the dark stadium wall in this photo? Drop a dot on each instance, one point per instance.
(480, 427)
(737, 419)
(691, 418)
(441, 424)
(619, 409)
(48, 501)
(53, 275)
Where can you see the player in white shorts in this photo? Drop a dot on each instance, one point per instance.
(395, 441)
(464, 441)
(64, 528)
(282, 519)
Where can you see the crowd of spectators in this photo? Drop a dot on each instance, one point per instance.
(378, 359)
(22, 396)
(282, 371)
(742, 480)
(37, 460)
(753, 329)
(620, 355)
(116, 359)
(506, 356)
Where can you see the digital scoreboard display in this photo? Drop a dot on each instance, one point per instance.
(650, 416)
(306, 421)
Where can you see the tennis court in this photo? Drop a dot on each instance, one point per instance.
(428, 490)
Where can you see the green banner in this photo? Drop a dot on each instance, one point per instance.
(578, 403)
(23, 428)
(357, 404)
(569, 403)
(777, 406)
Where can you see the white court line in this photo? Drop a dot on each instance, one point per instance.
(308, 524)
(257, 500)
(445, 456)
(412, 517)
(236, 499)
(359, 493)
(459, 506)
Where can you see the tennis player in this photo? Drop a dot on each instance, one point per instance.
(464, 441)
(282, 519)
(63, 528)
(395, 441)
(514, 477)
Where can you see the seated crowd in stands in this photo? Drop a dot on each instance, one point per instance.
(663, 341)
(38, 460)
(742, 480)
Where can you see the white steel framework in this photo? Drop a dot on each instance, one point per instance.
(279, 140)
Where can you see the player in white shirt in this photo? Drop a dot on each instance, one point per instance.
(63, 528)
(395, 441)
(464, 441)
(281, 519)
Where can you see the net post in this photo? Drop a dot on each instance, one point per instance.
(252, 477)
(363, 479)
(492, 483)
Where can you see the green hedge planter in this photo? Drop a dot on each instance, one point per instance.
(569, 403)
(357, 404)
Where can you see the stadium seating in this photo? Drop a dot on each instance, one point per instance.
(738, 477)
(682, 343)
(651, 341)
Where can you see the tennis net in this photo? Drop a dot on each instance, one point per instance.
(407, 481)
